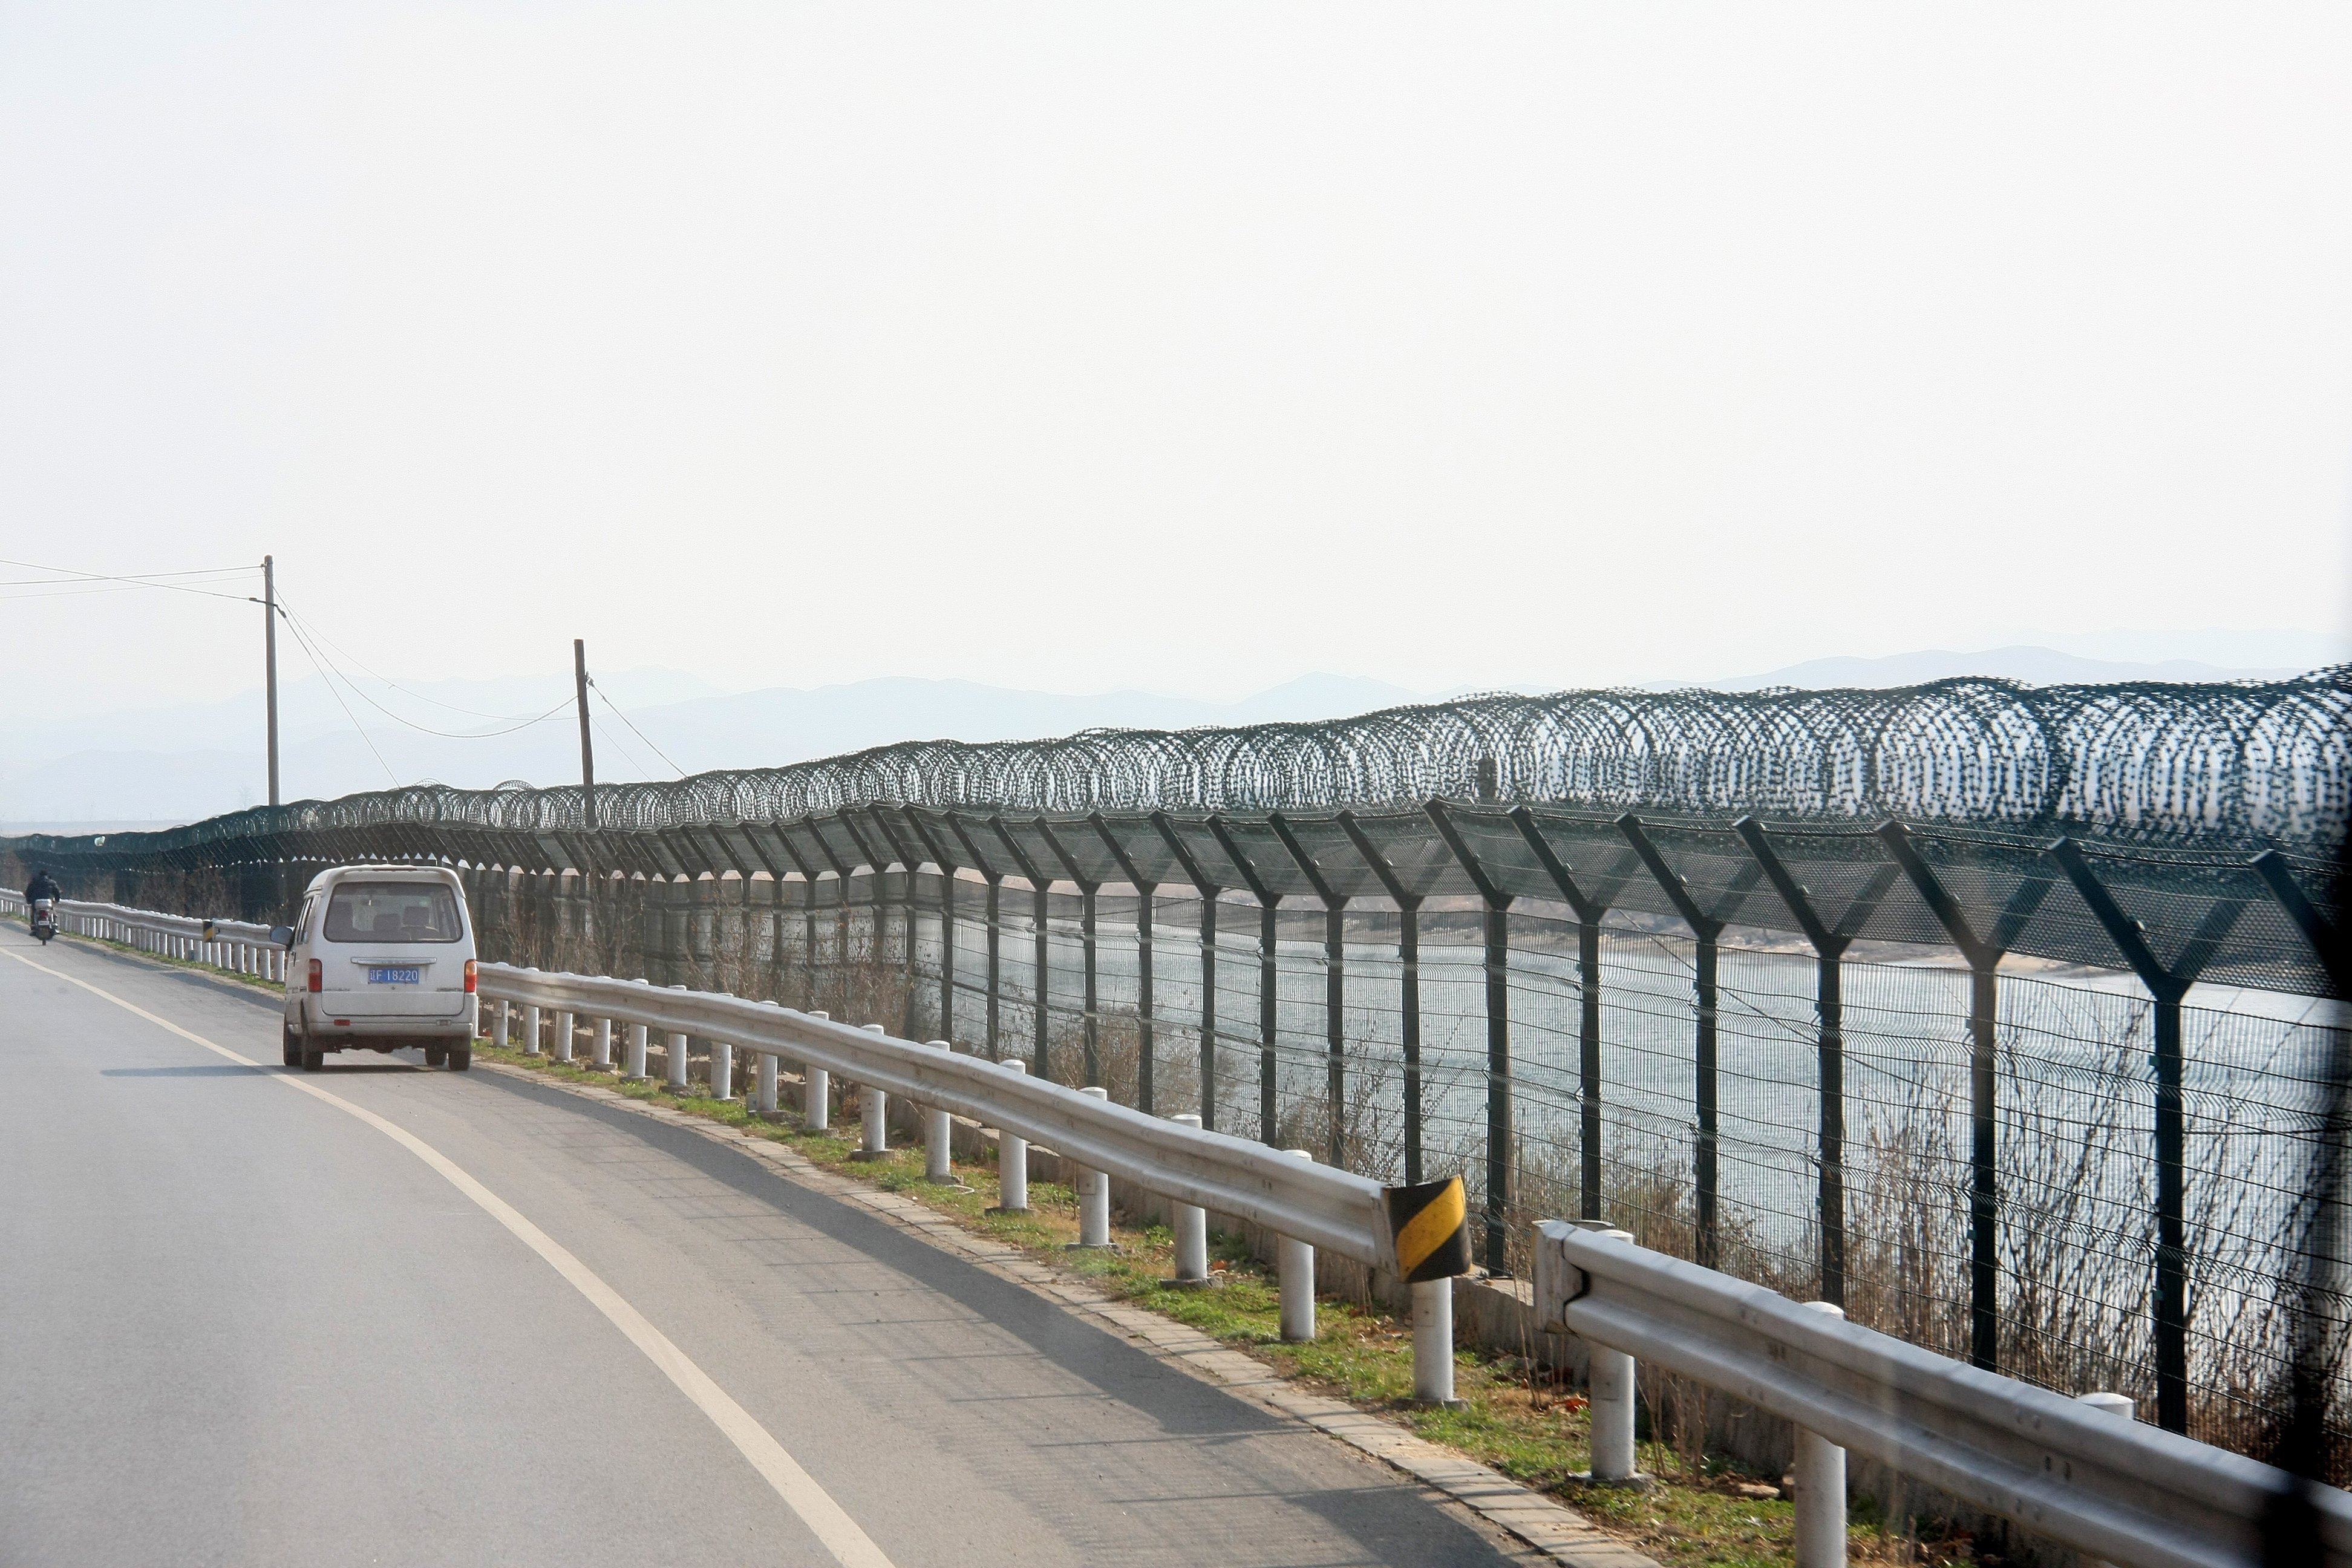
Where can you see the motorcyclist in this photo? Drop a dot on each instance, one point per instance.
(43, 885)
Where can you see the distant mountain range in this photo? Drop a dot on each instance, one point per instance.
(2032, 666)
(90, 771)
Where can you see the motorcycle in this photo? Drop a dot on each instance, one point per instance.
(44, 919)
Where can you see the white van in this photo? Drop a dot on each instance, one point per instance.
(381, 957)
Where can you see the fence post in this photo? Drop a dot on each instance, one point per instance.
(1145, 895)
(1498, 1041)
(1207, 891)
(1190, 1224)
(947, 949)
(1296, 1260)
(1705, 931)
(939, 1130)
(1012, 1160)
(1819, 1472)
(874, 1106)
(1093, 1195)
(1270, 998)
(1829, 1003)
(994, 913)
(2168, 986)
(1040, 1063)
(1090, 1064)
(817, 1093)
(1269, 978)
(1984, 1001)
(992, 910)
(808, 943)
(1335, 990)
(1589, 912)
(1408, 906)
(1091, 1067)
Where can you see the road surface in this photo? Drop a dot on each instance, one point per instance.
(242, 1324)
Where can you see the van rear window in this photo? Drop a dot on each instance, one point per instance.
(392, 911)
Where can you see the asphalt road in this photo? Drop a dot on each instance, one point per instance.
(240, 1325)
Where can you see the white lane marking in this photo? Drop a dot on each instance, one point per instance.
(850, 1546)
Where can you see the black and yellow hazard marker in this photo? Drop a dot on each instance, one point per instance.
(208, 935)
(1430, 1222)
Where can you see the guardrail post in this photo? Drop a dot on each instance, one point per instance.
(1609, 1387)
(722, 1070)
(939, 1127)
(602, 1049)
(1190, 1224)
(500, 1032)
(531, 1030)
(766, 1102)
(816, 1091)
(875, 1106)
(1819, 1472)
(1093, 1195)
(677, 1054)
(634, 1068)
(1611, 1390)
(1296, 1260)
(1011, 1161)
(1433, 1342)
(564, 1028)
(2119, 1405)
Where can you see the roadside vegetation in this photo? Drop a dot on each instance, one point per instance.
(1516, 1418)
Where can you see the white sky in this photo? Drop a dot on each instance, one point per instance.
(1188, 347)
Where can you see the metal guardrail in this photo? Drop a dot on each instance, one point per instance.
(238, 946)
(1327, 1208)
(2117, 1489)
(2122, 1490)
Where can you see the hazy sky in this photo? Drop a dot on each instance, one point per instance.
(1189, 347)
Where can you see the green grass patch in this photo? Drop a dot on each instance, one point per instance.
(1514, 1419)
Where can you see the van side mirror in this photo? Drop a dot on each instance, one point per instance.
(282, 936)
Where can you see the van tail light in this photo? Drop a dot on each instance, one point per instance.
(318, 977)
(469, 977)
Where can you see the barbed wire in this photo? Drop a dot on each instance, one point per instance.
(2245, 763)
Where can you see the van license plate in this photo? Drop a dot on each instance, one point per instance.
(395, 977)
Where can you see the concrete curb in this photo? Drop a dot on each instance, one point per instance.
(1556, 1533)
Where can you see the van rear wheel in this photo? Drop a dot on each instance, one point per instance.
(313, 1058)
(293, 1047)
(435, 1054)
(461, 1058)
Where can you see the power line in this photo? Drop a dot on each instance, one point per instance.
(452, 707)
(313, 654)
(73, 593)
(634, 760)
(640, 734)
(291, 619)
(62, 576)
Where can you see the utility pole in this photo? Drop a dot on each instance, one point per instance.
(269, 654)
(587, 752)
